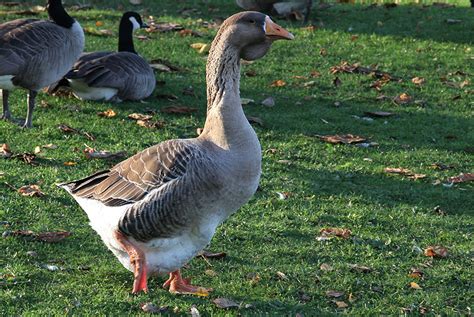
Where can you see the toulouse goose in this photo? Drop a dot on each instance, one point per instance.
(156, 210)
(35, 53)
(114, 76)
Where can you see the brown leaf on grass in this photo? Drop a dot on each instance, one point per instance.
(379, 83)
(436, 251)
(109, 113)
(178, 110)
(251, 73)
(325, 267)
(342, 138)
(5, 151)
(403, 171)
(360, 268)
(37, 149)
(255, 120)
(354, 38)
(461, 178)
(418, 81)
(416, 273)
(188, 32)
(335, 232)
(161, 68)
(52, 237)
(415, 285)
(67, 129)
(282, 276)
(315, 74)
(211, 255)
(337, 82)
(201, 48)
(341, 304)
(278, 83)
(92, 153)
(164, 27)
(30, 191)
(225, 303)
(166, 63)
(140, 116)
(402, 99)
(152, 308)
(334, 294)
(69, 163)
(28, 158)
(158, 124)
(378, 114)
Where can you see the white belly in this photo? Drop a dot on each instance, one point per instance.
(6, 82)
(162, 255)
(84, 92)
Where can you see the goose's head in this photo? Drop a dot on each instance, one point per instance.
(253, 33)
(133, 21)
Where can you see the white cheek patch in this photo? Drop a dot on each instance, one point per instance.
(135, 24)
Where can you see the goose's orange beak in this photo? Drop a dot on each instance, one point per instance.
(276, 32)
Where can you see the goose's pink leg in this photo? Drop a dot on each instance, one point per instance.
(137, 259)
(178, 285)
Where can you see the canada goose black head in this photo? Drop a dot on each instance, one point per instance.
(57, 13)
(130, 22)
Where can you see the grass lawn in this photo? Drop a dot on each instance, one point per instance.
(392, 217)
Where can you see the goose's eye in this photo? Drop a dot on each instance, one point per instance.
(252, 21)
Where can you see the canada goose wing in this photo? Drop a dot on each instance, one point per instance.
(112, 70)
(131, 180)
(26, 40)
(89, 56)
(11, 25)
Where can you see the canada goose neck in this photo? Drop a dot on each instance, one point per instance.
(126, 36)
(57, 13)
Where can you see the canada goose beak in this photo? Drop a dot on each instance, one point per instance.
(276, 32)
(144, 25)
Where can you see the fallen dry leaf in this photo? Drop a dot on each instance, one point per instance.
(92, 153)
(158, 124)
(210, 273)
(404, 171)
(282, 276)
(436, 251)
(360, 268)
(283, 195)
(335, 232)
(28, 158)
(325, 267)
(251, 73)
(255, 120)
(402, 99)
(441, 166)
(166, 63)
(334, 294)
(225, 303)
(109, 113)
(37, 149)
(178, 110)
(418, 80)
(211, 255)
(163, 27)
(246, 101)
(201, 48)
(97, 32)
(461, 178)
(415, 273)
(140, 116)
(378, 114)
(341, 304)
(99, 23)
(415, 285)
(342, 138)
(152, 308)
(69, 163)
(268, 102)
(278, 83)
(67, 129)
(52, 237)
(30, 191)
(5, 150)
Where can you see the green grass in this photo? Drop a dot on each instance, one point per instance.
(390, 216)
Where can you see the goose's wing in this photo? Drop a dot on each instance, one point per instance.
(21, 40)
(155, 183)
(116, 70)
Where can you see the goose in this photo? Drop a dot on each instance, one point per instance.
(35, 53)
(114, 76)
(157, 209)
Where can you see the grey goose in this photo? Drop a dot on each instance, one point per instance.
(114, 76)
(35, 53)
(157, 209)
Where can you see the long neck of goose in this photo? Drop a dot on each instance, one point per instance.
(57, 13)
(125, 43)
(225, 123)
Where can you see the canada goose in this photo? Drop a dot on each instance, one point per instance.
(114, 76)
(281, 7)
(35, 53)
(156, 210)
